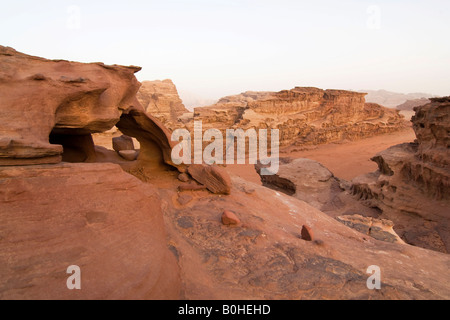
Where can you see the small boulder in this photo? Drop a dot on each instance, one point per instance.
(122, 143)
(307, 233)
(183, 177)
(229, 218)
(129, 155)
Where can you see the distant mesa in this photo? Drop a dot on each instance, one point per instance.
(304, 115)
(393, 99)
(409, 105)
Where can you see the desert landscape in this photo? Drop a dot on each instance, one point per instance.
(108, 190)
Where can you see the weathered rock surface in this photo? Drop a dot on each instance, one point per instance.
(214, 178)
(94, 216)
(265, 258)
(412, 185)
(56, 97)
(161, 100)
(310, 181)
(380, 229)
(305, 179)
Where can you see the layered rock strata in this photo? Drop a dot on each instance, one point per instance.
(304, 116)
(412, 184)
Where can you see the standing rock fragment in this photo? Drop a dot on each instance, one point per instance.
(307, 233)
(229, 218)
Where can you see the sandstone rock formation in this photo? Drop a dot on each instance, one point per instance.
(122, 143)
(304, 116)
(310, 181)
(265, 256)
(230, 218)
(55, 215)
(380, 229)
(62, 98)
(412, 185)
(94, 216)
(160, 99)
(143, 239)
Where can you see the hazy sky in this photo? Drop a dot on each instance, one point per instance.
(213, 48)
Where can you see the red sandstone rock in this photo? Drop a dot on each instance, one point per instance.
(94, 216)
(60, 99)
(230, 218)
(412, 184)
(307, 233)
(304, 116)
(129, 155)
(216, 179)
(122, 143)
(184, 199)
(42, 97)
(160, 99)
(183, 177)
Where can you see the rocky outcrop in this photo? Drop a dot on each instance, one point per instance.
(310, 181)
(380, 229)
(412, 185)
(61, 98)
(304, 116)
(93, 215)
(161, 99)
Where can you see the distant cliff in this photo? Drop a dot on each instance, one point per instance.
(409, 105)
(392, 99)
(304, 116)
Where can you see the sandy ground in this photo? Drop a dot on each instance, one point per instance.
(346, 160)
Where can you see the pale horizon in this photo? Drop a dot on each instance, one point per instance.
(211, 49)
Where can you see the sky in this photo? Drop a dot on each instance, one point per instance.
(214, 48)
